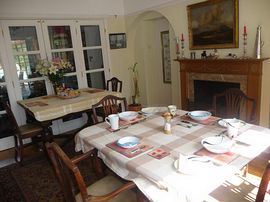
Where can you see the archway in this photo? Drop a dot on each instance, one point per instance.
(157, 83)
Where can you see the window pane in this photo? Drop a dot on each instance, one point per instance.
(90, 35)
(60, 37)
(26, 66)
(33, 89)
(96, 80)
(93, 59)
(68, 56)
(2, 76)
(24, 38)
(71, 82)
(3, 95)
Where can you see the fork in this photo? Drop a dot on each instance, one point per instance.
(205, 142)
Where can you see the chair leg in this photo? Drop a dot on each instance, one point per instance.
(19, 152)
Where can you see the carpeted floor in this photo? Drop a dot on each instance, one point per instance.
(35, 181)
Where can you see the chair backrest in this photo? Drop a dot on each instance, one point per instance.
(66, 170)
(110, 104)
(264, 184)
(114, 84)
(13, 122)
(233, 103)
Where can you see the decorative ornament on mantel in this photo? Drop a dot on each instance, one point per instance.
(259, 43)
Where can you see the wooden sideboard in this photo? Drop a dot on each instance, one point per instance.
(251, 69)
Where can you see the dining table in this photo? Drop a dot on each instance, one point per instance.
(45, 109)
(153, 163)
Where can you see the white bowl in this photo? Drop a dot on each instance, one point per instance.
(199, 115)
(217, 144)
(128, 115)
(128, 142)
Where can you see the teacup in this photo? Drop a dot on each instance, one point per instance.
(172, 109)
(233, 128)
(113, 121)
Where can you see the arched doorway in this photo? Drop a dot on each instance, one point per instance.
(154, 51)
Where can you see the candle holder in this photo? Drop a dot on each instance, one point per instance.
(182, 48)
(245, 45)
(177, 48)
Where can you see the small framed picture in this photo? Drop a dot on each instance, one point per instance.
(118, 40)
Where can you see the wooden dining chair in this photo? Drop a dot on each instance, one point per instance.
(20, 133)
(114, 84)
(110, 105)
(243, 189)
(233, 103)
(108, 188)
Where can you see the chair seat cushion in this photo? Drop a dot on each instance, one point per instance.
(107, 185)
(30, 130)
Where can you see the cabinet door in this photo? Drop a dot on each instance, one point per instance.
(93, 53)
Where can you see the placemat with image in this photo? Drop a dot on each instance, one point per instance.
(211, 120)
(223, 158)
(130, 152)
(124, 124)
(36, 103)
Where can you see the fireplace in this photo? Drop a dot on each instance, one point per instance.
(245, 74)
(204, 91)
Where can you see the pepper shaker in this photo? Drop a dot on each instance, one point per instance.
(167, 123)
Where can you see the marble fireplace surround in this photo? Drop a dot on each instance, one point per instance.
(247, 72)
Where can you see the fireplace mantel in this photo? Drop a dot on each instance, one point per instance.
(250, 68)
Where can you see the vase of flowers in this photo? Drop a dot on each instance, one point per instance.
(54, 70)
(135, 106)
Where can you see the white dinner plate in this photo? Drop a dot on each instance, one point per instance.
(128, 115)
(128, 142)
(217, 144)
(222, 122)
(193, 165)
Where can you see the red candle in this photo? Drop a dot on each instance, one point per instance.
(245, 29)
(182, 37)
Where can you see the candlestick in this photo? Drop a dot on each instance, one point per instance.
(244, 45)
(182, 47)
(177, 48)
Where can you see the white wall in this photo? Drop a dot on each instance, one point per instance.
(71, 8)
(132, 6)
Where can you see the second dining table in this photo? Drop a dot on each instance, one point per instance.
(151, 165)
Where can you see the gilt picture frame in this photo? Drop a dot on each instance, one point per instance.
(166, 56)
(213, 24)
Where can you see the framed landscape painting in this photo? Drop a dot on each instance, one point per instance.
(213, 24)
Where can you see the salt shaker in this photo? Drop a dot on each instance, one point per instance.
(167, 123)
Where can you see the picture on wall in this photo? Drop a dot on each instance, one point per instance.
(117, 40)
(166, 57)
(213, 24)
